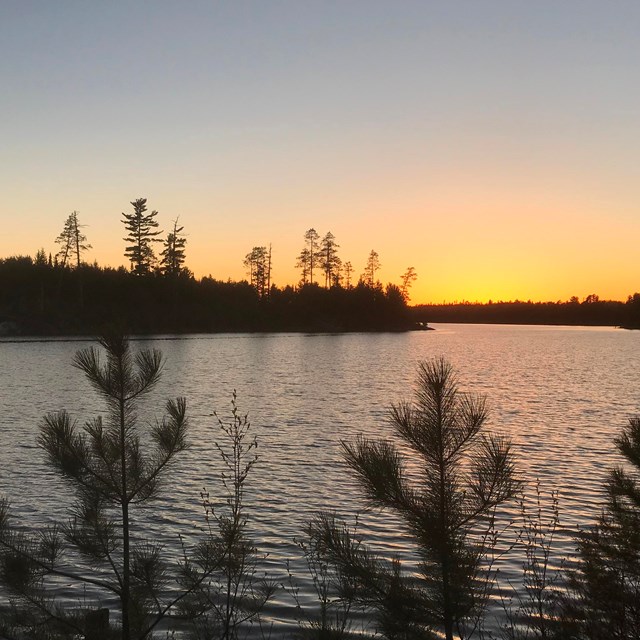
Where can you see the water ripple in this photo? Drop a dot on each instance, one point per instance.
(562, 394)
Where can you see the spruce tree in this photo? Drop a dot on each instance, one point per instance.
(141, 228)
(462, 476)
(113, 468)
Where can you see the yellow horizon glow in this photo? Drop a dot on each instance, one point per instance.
(493, 147)
(555, 248)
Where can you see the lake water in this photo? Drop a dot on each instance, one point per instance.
(561, 393)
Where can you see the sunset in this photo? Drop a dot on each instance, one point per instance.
(490, 145)
(320, 320)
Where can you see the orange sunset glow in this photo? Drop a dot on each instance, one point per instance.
(490, 147)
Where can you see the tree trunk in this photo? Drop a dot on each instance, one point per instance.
(125, 595)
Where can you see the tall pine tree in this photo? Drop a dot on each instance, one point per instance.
(603, 597)
(329, 260)
(172, 256)
(72, 241)
(141, 227)
(373, 264)
(258, 264)
(309, 256)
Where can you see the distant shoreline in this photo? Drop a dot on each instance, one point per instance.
(592, 312)
(85, 337)
(24, 337)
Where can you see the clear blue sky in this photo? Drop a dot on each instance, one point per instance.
(491, 145)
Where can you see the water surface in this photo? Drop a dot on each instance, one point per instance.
(561, 394)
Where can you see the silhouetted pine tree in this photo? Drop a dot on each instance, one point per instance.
(72, 241)
(309, 257)
(258, 264)
(463, 476)
(172, 256)
(141, 234)
(329, 260)
(408, 277)
(373, 265)
(604, 591)
(109, 468)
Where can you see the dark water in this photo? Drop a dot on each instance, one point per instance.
(562, 394)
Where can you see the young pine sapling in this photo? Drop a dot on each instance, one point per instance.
(460, 477)
(112, 470)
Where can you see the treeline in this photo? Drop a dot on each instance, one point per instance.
(590, 312)
(319, 255)
(42, 297)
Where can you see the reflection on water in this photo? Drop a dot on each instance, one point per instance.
(561, 393)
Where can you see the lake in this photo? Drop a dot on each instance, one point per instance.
(561, 393)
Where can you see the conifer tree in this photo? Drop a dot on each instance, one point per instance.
(463, 476)
(172, 256)
(303, 263)
(329, 259)
(373, 264)
(309, 257)
(348, 271)
(141, 228)
(603, 600)
(312, 237)
(41, 258)
(258, 264)
(72, 241)
(106, 465)
(408, 278)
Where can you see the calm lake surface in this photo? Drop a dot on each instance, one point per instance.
(561, 393)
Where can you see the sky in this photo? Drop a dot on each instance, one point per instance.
(490, 144)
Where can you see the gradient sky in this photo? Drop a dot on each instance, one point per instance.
(492, 145)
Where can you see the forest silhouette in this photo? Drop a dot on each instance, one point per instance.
(591, 311)
(62, 294)
(37, 298)
(40, 297)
